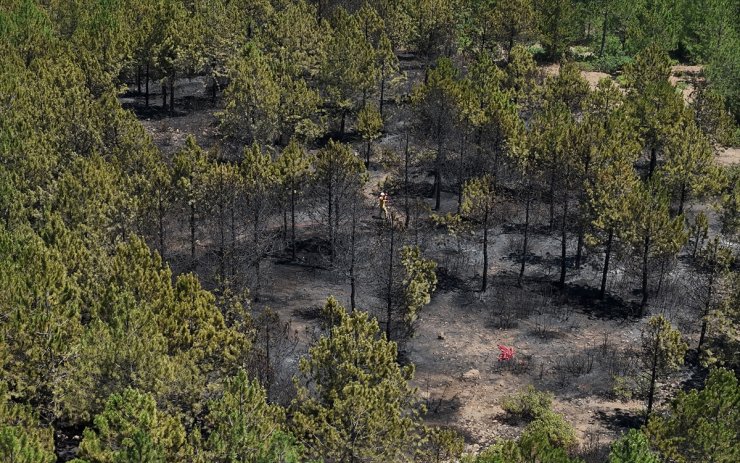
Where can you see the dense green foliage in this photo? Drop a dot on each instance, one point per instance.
(132, 275)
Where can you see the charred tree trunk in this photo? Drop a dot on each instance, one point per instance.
(526, 234)
(645, 253)
(484, 284)
(653, 377)
(579, 245)
(460, 173)
(292, 223)
(232, 246)
(605, 272)
(138, 79)
(193, 261)
(160, 220)
(603, 32)
(146, 85)
(564, 243)
(707, 306)
(382, 89)
(367, 155)
(352, 279)
(682, 198)
(389, 294)
(653, 161)
(172, 94)
(406, 207)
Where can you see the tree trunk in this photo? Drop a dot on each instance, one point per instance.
(389, 307)
(526, 235)
(511, 45)
(164, 96)
(662, 274)
(682, 198)
(160, 206)
(330, 210)
(285, 225)
(367, 155)
(406, 156)
(484, 284)
(382, 89)
(603, 32)
(564, 243)
(352, 282)
(222, 242)
(696, 246)
(438, 176)
(707, 306)
(172, 94)
(232, 246)
(645, 253)
(146, 85)
(258, 253)
(552, 196)
(292, 223)
(579, 246)
(653, 161)
(460, 173)
(344, 120)
(138, 79)
(608, 252)
(193, 262)
(653, 376)
(214, 89)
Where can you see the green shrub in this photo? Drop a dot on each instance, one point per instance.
(633, 447)
(614, 57)
(549, 430)
(528, 405)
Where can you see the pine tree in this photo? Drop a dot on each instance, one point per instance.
(42, 321)
(131, 429)
(633, 447)
(478, 203)
(558, 26)
(293, 168)
(244, 428)
(522, 77)
(655, 101)
(608, 168)
(663, 352)
(495, 117)
(359, 406)
(689, 167)
(252, 99)
(701, 425)
(350, 71)
(370, 126)
(260, 183)
(512, 21)
(434, 106)
(714, 264)
(190, 165)
(223, 188)
(338, 173)
(22, 439)
(722, 347)
(431, 26)
(420, 281)
(650, 229)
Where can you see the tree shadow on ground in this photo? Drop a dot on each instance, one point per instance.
(586, 299)
(620, 419)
